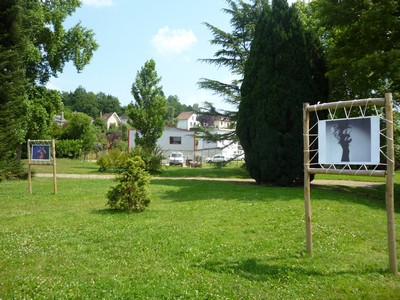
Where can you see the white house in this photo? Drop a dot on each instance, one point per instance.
(60, 120)
(222, 123)
(172, 140)
(191, 144)
(227, 148)
(187, 120)
(111, 118)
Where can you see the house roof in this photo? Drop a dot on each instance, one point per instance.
(185, 115)
(108, 115)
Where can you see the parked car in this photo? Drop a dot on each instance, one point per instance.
(176, 159)
(218, 158)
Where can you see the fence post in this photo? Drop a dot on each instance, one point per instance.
(389, 184)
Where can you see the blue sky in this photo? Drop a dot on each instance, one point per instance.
(130, 32)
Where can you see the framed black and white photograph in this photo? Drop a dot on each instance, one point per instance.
(40, 152)
(349, 141)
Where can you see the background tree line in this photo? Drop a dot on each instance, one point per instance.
(93, 104)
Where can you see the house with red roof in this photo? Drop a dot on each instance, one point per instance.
(187, 120)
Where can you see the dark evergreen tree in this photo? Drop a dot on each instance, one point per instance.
(13, 98)
(282, 72)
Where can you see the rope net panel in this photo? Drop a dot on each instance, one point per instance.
(339, 123)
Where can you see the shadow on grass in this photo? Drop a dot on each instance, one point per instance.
(200, 190)
(110, 211)
(253, 270)
(373, 197)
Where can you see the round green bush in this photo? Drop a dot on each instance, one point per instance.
(131, 193)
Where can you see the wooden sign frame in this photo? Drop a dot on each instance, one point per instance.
(41, 152)
(380, 170)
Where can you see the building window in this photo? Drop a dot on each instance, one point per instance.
(175, 140)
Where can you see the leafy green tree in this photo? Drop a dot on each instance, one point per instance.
(43, 106)
(34, 45)
(174, 108)
(108, 103)
(91, 104)
(147, 113)
(50, 44)
(68, 100)
(79, 127)
(100, 124)
(280, 76)
(362, 41)
(86, 102)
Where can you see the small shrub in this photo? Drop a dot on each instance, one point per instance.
(12, 169)
(115, 160)
(131, 193)
(69, 148)
(152, 159)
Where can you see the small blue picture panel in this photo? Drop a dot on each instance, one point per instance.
(40, 152)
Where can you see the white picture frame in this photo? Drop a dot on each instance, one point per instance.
(353, 141)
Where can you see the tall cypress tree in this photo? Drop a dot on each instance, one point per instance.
(281, 74)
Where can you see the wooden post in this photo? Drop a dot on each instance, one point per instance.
(29, 168)
(54, 166)
(389, 185)
(307, 201)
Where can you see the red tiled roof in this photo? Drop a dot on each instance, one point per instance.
(185, 115)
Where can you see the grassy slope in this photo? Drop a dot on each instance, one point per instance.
(197, 240)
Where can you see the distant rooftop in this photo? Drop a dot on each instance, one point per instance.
(185, 115)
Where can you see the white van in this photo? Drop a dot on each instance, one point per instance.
(176, 159)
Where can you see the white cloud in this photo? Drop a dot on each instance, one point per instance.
(173, 41)
(98, 3)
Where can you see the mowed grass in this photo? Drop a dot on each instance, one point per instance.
(196, 240)
(233, 169)
(68, 166)
(74, 166)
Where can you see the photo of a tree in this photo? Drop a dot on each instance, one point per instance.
(349, 141)
(341, 131)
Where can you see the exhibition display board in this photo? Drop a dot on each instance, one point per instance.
(345, 138)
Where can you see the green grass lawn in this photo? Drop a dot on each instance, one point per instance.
(196, 240)
(68, 166)
(73, 166)
(232, 170)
